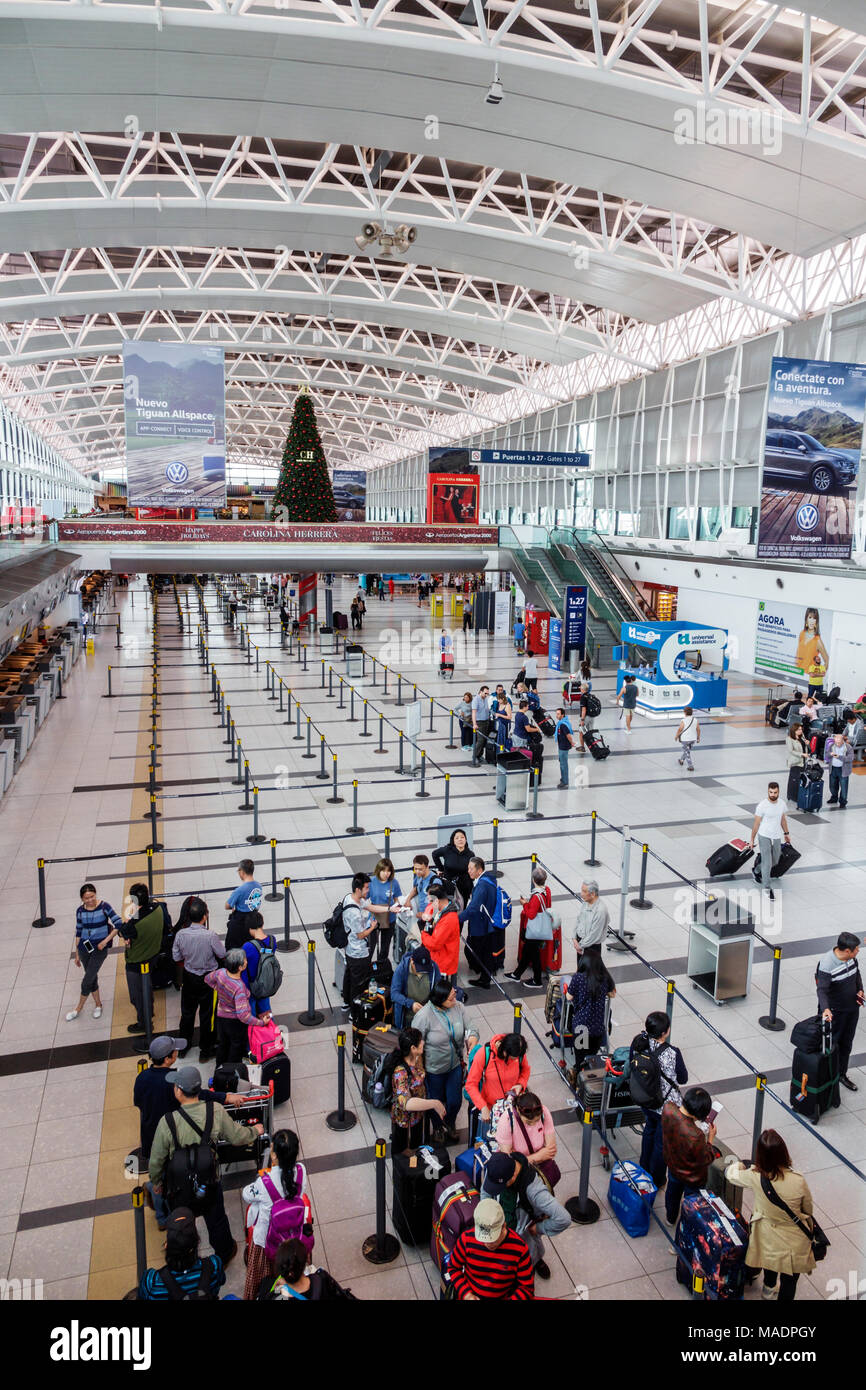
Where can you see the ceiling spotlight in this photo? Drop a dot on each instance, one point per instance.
(495, 91)
(370, 232)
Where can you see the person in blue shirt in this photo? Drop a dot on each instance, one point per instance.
(384, 890)
(524, 725)
(478, 914)
(422, 877)
(412, 984)
(519, 630)
(96, 925)
(259, 941)
(563, 735)
(184, 1270)
(246, 899)
(501, 706)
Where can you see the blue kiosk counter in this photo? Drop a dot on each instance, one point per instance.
(667, 660)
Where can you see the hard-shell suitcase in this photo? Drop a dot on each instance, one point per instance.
(365, 1012)
(454, 1203)
(341, 622)
(279, 1070)
(491, 751)
(596, 745)
(792, 791)
(727, 859)
(416, 1173)
(718, 1184)
(787, 856)
(815, 1078)
(551, 951)
(712, 1242)
(380, 1042)
(547, 725)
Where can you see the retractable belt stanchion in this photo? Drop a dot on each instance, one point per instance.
(321, 775)
(140, 1234)
(771, 1020)
(381, 1247)
(423, 792)
(275, 895)
(381, 748)
(312, 1017)
(256, 838)
(43, 920)
(355, 828)
(642, 901)
(341, 1118)
(336, 799)
(592, 862)
(289, 942)
(582, 1209)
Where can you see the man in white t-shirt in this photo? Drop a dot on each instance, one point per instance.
(771, 824)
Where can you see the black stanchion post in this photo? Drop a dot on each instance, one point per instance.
(341, 1118)
(238, 780)
(352, 719)
(592, 861)
(155, 844)
(423, 792)
(281, 695)
(257, 658)
(341, 705)
(60, 695)
(642, 901)
(312, 1018)
(146, 1005)
(288, 705)
(375, 663)
(275, 895)
(232, 736)
(309, 753)
(381, 748)
(321, 775)
(336, 799)
(582, 1209)
(400, 746)
(495, 870)
(399, 689)
(381, 1247)
(289, 942)
(330, 682)
(669, 999)
(323, 673)
(535, 814)
(387, 842)
(274, 684)
(365, 732)
(297, 735)
(385, 691)
(43, 920)
(110, 695)
(770, 1020)
(117, 635)
(256, 838)
(354, 828)
(228, 725)
(246, 804)
(451, 743)
(518, 1018)
(447, 792)
(140, 1236)
(758, 1121)
(305, 656)
(430, 730)
(149, 853)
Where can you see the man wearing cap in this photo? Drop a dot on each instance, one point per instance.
(413, 981)
(190, 1122)
(491, 1261)
(153, 1095)
(528, 1204)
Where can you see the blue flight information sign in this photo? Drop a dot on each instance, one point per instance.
(554, 648)
(529, 457)
(575, 617)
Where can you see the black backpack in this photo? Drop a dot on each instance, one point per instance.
(593, 706)
(201, 1293)
(269, 975)
(646, 1079)
(192, 1173)
(335, 933)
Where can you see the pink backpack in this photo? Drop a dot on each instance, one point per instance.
(266, 1041)
(289, 1216)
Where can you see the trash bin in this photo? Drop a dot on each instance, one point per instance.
(327, 642)
(512, 781)
(721, 939)
(457, 603)
(354, 661)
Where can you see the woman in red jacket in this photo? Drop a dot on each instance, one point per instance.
(442, 938)
(541, 955)
(496, 1069)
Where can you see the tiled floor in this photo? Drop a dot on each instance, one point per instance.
(65, 1116)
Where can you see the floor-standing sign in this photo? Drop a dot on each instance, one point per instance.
(502, 613)
(574, 634)
(307, 601)
(537, 631)
(413, 731)
(555, 654)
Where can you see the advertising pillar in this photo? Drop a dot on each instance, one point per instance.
(555, 655)
(307, 601)
(537, 631)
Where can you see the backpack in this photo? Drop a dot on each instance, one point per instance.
(269, 975)
(192, 1172)
(380, 1100)
(289, 1219)
(501, 917)
(335, 933)
(201, 1293)
(593, 706)
(646, 1080)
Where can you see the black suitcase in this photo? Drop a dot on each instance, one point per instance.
(787, 856)
(491, 751)
(227, 1076)
(365, 1012)
(815, 1079)
(793, 789)
(414, 1180)
(279, 1070)
(596, 745)
(727, 859)
(547, 725)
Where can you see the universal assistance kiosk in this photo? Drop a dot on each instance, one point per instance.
(674, 664)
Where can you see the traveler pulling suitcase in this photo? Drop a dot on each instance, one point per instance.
(712, 1242)
(814, 1072)
(787, 856)
(729, 858)
(416, 1174)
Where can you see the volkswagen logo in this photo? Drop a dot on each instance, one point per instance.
(177, 472)
(807, 517)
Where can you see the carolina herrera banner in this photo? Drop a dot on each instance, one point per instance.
(109, 532)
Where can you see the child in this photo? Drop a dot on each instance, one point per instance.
(519, 630)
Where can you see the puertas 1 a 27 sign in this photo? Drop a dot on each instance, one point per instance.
(174, 399)
(530, 457)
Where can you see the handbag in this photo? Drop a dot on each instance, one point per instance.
(817, 1237)
(549, 1170)
(542, 926)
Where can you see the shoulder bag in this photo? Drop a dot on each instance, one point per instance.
(817, 1237)
(549, 1171)
(542, 926)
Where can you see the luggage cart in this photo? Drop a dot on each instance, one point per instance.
(256, 1108)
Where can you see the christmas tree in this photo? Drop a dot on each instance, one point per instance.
(304, 491)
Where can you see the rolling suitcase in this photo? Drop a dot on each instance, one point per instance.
(365, 1012)
(712, 1243)
(810, 794)
(718, 1184)
(278, 1070)
(729, 858)
(491, 752)
(815, 1077)
(547, 725)
(416, 1174)
(454, 1203)
(787, 856)
(792, 790)
(596, 745)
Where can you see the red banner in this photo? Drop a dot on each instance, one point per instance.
(368, 533)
